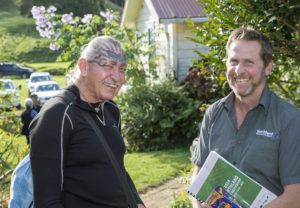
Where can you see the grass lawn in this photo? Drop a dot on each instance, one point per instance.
(149, 169)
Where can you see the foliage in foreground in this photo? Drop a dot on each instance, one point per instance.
(158, 116)
(279, 20)
(12, 150)
(183, 199)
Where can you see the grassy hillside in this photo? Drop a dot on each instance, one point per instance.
(19, 40)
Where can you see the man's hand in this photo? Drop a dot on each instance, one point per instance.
(205, 205)
(197, 204)
(289, 198)
(140, 206)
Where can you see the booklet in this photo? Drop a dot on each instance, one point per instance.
(221, 184)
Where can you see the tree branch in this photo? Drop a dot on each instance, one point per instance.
(288, 96)
(6, 174)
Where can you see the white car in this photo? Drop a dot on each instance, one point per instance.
(46, 90)
(36, 78)
(9, 96)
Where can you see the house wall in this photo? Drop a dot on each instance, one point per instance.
(185, 50)
(177, 51)
(147, 21)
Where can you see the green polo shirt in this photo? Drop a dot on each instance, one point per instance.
(267, 145)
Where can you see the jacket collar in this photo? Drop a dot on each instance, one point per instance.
(264, 101)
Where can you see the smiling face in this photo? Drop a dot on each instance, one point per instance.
(104, 72)
(246, 73)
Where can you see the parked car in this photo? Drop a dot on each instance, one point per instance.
(12, 69)
(46, 90)
(35, 78)
(69, 77)
(9, 95)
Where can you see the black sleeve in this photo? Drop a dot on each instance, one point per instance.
(133, 189)
(46, 147)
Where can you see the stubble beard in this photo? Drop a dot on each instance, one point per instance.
(252, 88)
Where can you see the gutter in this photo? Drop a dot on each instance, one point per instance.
(183, 20)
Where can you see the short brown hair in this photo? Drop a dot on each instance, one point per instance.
(249, 34)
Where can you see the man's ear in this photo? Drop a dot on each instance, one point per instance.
(82, 64)
(269, 68)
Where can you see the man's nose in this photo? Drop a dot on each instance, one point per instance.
(239, 69)
(115, 74)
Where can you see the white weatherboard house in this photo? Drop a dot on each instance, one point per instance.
(169, 17)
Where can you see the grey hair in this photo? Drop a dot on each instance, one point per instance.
(89, 50)
(28, 103)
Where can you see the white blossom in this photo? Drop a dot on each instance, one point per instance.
(108, 15)
(86, 18)
(68, 18)
(54, 47)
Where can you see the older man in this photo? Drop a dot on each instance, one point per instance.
(252, 127)
(70, 167)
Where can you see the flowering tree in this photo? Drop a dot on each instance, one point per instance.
(69, 34)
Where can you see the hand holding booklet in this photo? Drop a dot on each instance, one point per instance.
(222, 185)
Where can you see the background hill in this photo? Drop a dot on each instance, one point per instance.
(20, 41)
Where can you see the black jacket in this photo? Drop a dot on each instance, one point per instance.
(26, 118)
(69, 165)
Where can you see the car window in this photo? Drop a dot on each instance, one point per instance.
(40, 79)
(41, 88)
(50, 87)
(9, 85)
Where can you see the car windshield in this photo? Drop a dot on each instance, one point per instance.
(49, 87)
(40, 79)
(7, 85)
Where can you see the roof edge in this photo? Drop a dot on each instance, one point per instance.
(128, 18)
(184, 20)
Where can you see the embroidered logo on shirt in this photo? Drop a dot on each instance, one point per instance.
(265, 133)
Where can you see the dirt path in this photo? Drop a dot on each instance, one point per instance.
(160, 196)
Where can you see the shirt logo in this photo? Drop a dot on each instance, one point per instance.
(265, 133)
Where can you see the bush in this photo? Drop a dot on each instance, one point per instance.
(158, 116)
(200, 85)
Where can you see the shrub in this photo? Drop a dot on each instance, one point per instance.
(200, 85)
(158, 116)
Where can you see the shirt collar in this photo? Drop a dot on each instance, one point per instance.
(228, 101)
(265, 99)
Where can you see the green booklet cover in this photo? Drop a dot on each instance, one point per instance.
(216, 171)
